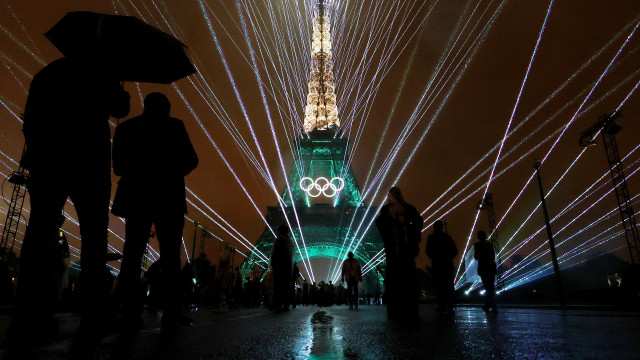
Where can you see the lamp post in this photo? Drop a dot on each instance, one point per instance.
(552, 247)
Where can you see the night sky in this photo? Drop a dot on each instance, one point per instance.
(487, 63)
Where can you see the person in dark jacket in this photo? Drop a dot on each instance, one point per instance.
(282, 269)
(352, 274)
(400, 226)
(152, 154)
(68, 154)
(442, 250)
(484, 254)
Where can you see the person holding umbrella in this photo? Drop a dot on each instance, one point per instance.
(144, 146)
(68, 151)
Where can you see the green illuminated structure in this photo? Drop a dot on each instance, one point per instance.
(328, 220)
(324, 220)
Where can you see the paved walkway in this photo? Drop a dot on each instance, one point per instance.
(340, 333)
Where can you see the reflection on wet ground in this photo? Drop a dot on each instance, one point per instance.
(326, 339)
(339, 333)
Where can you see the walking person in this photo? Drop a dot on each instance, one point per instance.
(400, 226)
(442, 250)
(485, 255)
(68, 155)
(282, 269)
(144, 146)
(352, 274)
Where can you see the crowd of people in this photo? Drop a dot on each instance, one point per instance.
(67, 112)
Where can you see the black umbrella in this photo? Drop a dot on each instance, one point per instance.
(134, 50)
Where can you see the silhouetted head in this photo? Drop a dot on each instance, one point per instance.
(438, 226)
(157, 103)
(350, 255)
(283, 230)
(482, 235)
(395, 193)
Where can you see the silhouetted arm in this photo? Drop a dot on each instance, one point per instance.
(189, 156)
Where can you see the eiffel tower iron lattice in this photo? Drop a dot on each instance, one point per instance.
(326, 195)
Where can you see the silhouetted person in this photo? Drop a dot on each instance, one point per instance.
(295, 276)
(305, 293)
(282, 269)
(68, 155)
(442, 250)
(155, 281)
(236, 291)
(351, 274)
(400, 226)
(187, 287)
(484, 254)
(62, 269)
(152, 154)
(331, 294)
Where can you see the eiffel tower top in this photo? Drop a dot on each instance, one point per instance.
(321, 110)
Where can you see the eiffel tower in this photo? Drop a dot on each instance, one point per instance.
(324, 190)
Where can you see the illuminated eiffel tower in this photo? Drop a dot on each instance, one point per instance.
(325, 193)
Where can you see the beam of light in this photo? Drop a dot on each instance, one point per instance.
(24, 30)
(584, 247)
(579, 199)
(252, 248)
(453, 86)
(541, 273)
(293, 144)
(277, 145)
(368, 263)
(531, 150)
(393, 110)
(566, 171)
(472, 52)
(380, 73)
(11, 111)
(247, 246)
(602, 218)
(231, 79)
(197, 118)
(566, 82)
(421, 108)
(378, 261)
(23, 46)
(237, 138)
(230, 76)
(573, 118)
(15, 77)
(538, 108)
(628, 96)
(506, 133)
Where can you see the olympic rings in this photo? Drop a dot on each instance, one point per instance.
(320, 185)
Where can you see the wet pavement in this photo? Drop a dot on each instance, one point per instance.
(339, 333)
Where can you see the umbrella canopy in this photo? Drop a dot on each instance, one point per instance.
(133, 49)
